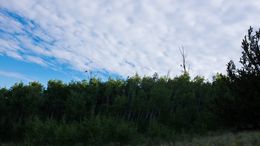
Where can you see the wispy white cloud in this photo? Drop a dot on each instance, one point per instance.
(37, 60)
(15, 75)
(128, 36)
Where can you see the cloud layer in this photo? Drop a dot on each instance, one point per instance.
(127, 36)
(15, 75)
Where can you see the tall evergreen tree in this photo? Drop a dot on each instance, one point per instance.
(245, 83)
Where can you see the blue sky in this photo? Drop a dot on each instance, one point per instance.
(44, 39)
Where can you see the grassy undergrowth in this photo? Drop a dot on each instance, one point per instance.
(227, 139)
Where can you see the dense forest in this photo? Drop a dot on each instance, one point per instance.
(135, 110)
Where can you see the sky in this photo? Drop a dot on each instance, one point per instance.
(61, 39)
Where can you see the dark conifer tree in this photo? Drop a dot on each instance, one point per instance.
(246, 84)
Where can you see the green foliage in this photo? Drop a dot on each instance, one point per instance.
(116, 112)
(112, 112)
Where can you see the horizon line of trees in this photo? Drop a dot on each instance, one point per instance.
(136, 110)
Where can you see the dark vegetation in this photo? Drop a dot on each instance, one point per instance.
(136, 110)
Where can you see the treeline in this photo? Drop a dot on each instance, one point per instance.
(112, 111)
(135, 110)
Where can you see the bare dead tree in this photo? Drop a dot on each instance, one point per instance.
(89, 73)
(184, 59)
(168, 75)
